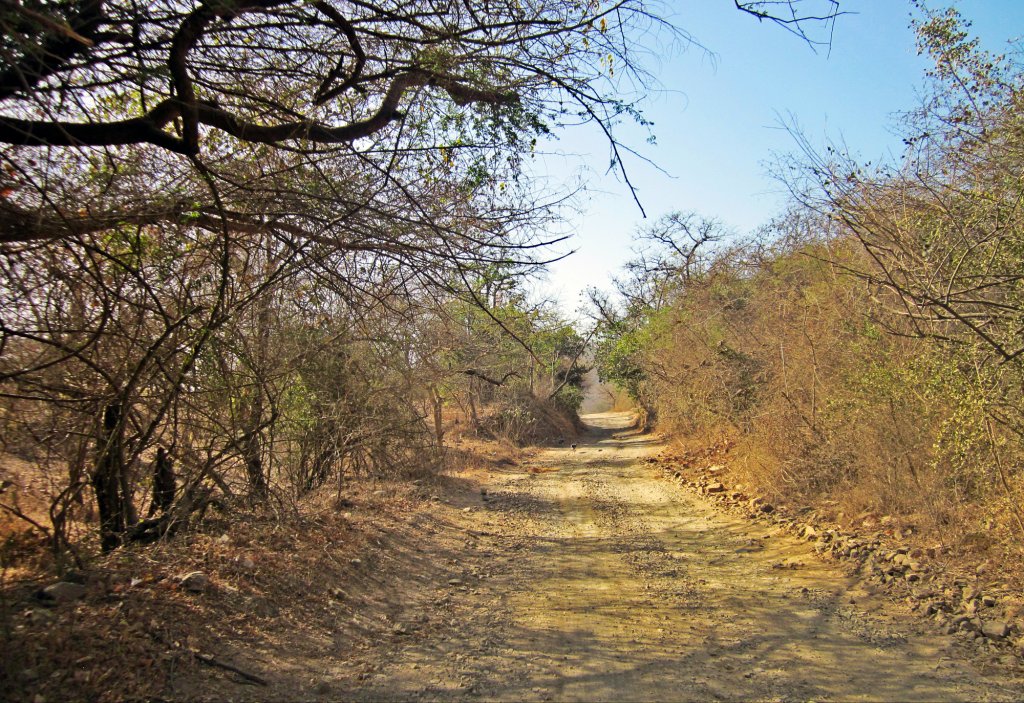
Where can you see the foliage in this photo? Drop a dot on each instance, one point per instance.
(866, 347)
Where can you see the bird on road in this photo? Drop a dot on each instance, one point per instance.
(573, 446)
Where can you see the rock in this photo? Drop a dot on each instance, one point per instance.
(246, 563)
(970, 593)
(715, 488)
(196, 582)
(995, 629)
(63, 591)
(40, 616)
(988, 601)
(912, 577)
(454, 582)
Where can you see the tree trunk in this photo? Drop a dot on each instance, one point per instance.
(252, 451)
(108, 479)
(164, 484)
(472, 411)
(437, 402)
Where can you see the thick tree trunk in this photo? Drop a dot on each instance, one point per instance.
(164, 484)
(108, 479)
(252, 452)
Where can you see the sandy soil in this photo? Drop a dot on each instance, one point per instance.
(587, 576)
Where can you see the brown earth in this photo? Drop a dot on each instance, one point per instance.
(563, 575)
(595, 578)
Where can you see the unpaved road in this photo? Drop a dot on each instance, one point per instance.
(596, 579)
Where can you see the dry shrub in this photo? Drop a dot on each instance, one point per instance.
(783, 352)
(525, 419)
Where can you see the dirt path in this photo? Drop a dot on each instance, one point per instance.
(595, 579)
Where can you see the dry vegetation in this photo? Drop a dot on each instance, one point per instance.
(863, 354)
(323, 575)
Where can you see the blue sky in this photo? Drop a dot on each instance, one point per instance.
(716, 120)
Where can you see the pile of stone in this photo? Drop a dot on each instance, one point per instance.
(953, 604)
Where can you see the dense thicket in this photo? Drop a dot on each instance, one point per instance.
(252, 248)
(249, 248)
(867, 347)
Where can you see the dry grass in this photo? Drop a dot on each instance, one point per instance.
(326, 575)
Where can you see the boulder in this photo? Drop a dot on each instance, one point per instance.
(63, 591)
(195, 581)
(995, 629)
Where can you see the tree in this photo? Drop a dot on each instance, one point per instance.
(177, 178)
(943, 229)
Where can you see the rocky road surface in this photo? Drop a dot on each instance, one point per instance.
(586, 575)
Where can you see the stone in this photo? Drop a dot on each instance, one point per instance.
(63, 591)
(995, 629)
(715, 488)
(40, 616)
(195, 581)
(988, 601)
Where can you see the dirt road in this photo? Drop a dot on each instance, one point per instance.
(593, 578)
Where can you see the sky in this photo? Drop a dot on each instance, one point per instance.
(717, 120)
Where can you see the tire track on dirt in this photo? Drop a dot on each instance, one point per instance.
(602, 581)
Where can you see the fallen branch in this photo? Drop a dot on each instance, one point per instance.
(210, 660)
